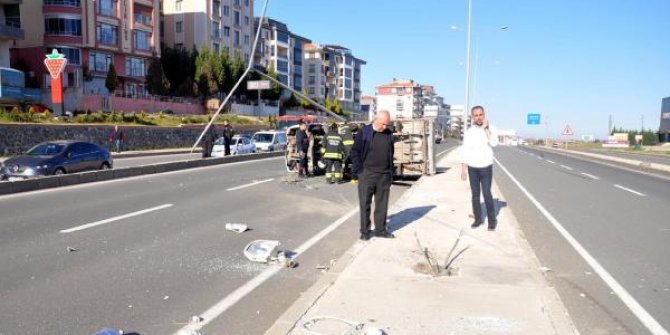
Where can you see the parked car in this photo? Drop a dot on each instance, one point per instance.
(270, 140)
(238, 145)
(56, 157)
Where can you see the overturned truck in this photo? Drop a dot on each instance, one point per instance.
(413, 147)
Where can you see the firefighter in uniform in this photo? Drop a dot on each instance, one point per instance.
(333, 155)
(348, 140)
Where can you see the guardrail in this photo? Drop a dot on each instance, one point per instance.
(42, 183)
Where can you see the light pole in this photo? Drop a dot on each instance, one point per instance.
(466, 105)
(474, 79)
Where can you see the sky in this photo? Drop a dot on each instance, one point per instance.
(575, 62)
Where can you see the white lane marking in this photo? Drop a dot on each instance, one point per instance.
(552, 162)
(224, 304)
(250, 184)
(590, 176)
(116, 218)
(566, 167)
(629, 190)
(632, 304)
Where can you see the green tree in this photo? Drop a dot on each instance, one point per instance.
(206, 81)
(303, 102)
(292, 101)
(227, 72)
(156, 81)
(327, 103)
(112, 81)
(179, 67)
(336, 107)
(238, 68)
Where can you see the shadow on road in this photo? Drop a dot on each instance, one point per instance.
(408, 215)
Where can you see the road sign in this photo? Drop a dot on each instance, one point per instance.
(258, 85)
(567, 131)
(533, 119)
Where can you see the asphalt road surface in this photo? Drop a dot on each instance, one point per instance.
(658, 158)
(145, 254)
(148, 160)
(619, 217)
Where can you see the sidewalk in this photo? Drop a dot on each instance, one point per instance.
(499, 287)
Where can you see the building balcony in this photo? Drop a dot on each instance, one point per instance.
(147, 3)
(10, 29)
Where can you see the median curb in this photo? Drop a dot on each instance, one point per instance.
(47, 182)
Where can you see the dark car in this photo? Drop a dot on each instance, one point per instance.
(56, 157)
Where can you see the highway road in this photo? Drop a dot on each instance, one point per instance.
(148, 160)
(145, 254)
(657, 158)
(619, 217)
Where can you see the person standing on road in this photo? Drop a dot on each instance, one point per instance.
(302, 144)
(477, 164)
(116, 137)
(333, 155)
(227, 136)
(372, 167)
(208, 142)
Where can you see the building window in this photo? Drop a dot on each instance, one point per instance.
(177, 5)
(99, 61)
(236, 37)
(135, 67)
(217, 48)
(311, 91)
(246, 20)
(226, 31)
(226, 10)
(311, 80)
(282, 37)
(106, 7)
(246, 3)
(142, 18)
(399, 105)
(179, 27)
(67, 3)
(106, 33)
(311, 68)
(237, 2)
(216, 7)
(141, 40)
(73, 55)
(246, 39)
(236, 18)
(61, 26)
(282, 66)
(216, 32)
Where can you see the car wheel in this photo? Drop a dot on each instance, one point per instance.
(105, 166)
(59, 171)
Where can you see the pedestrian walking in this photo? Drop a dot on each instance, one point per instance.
(116, 138)
(228, 133)
(333, 155)
(372, 166)
(477, 164)
(208, 141)
(302, 144)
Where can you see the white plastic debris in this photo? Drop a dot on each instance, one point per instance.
(237, 227)
(544, 269)
(109, 331)
(261, 251)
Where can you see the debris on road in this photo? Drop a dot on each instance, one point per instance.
(237, 227)
(544, 269)
(325, 268)
(261, 251)
(71, 249)
(358, 328)
(109, 331)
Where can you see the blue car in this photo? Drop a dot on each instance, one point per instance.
(54, 158)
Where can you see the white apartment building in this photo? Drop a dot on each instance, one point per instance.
(333, 72)
(282, 50)
(403, 99)
(220, 25)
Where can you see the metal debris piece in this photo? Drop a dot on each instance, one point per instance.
(434, 267)
(544, 269)
(261, 251)
(71, 249)
(237, 227)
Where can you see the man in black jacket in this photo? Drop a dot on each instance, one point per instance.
(302, 144)
(372, 166)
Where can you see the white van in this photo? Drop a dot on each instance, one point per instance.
(270, 140)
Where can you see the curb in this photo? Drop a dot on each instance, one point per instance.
(47, 182)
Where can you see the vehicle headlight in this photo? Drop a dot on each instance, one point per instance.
(29, 172)
(42, 167)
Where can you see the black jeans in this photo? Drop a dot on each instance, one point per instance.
(480, 180)
(378, 185)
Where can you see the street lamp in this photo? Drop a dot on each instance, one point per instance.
(474, 79)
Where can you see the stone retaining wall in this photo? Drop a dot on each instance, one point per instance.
(16, 138)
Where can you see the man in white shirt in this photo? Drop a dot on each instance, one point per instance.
(477, 164)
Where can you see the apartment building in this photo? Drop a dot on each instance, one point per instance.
(220, 25)
(10, 28)
(402, 98)
(92, 34)
(283, 50)
(333, 72)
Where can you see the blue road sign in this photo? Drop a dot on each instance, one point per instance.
(533, 119)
